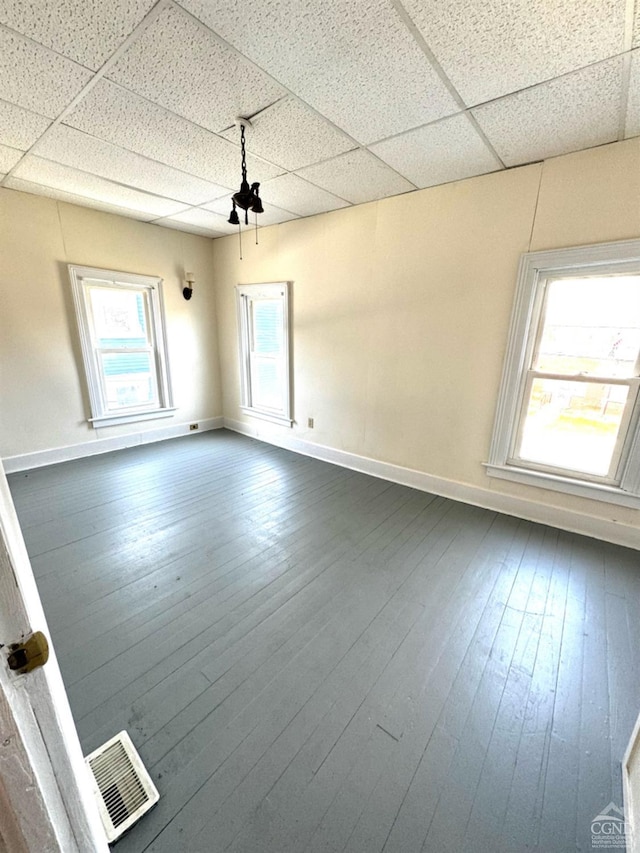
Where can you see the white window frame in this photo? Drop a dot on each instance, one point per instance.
(82, 278)
(536, 269)
(245, 295)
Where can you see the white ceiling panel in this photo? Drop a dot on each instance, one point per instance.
(87, 31)
(355, 62)
(577, 111)
(292, 135)
(125, 119)
(186, 227)
(59, 177)
(20, 128)
(322, 80)
(632, 125)
(357, 176)
(272, 215)
(8, 157)
(489, 49)
(204, 220)
(35, 78)
(79, 150)
(178, 63)
(446, 151)
(300, 196)
(71, 198)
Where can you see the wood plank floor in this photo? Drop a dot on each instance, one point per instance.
(310, 659)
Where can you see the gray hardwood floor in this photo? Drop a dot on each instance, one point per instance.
(310, 659)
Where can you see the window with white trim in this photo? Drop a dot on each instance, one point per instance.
(263, 327)
(568, 410)
(121, 325)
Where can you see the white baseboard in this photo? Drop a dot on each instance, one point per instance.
(39, 458)
(574, 522)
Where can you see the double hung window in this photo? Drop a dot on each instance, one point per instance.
(568, 410)
(120, 318)
(263, 324)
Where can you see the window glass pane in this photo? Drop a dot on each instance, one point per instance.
(119, 317)
(591, 327)
(267, 385)
(129, 379)
(573, 425)
(267, 321)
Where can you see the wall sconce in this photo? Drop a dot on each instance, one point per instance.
(187, 291)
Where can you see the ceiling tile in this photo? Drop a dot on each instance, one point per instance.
(35, 78)
(446, 151)
(20, 128)
(71, 198)
(184, 226)
(489, 49)
(127, 120)
(59, 177)
(212, 223)
(272, 215)
(357, 176)
(356, 63)
(179, 64)
(75, 148)
(8, 158)
(88, 31)
(636, 26)
(292, 135)
(577, 111)
(293, 193)
(632, 126)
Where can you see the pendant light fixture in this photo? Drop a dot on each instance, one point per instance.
(248, 197)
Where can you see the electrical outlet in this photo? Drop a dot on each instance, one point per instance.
(310, 423)
(194, 426)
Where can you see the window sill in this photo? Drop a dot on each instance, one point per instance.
(267, 416)
(130, 417)
(556, 483)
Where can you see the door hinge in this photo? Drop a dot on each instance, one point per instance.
(29, 654)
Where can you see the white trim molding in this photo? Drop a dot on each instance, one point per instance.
(86, 285)
(39, 458)
(593, 491)
(621, 484)
(565, 519)
(250, 357)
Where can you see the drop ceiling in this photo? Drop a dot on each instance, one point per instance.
(129, 105)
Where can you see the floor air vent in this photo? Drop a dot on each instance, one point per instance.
(123, 787)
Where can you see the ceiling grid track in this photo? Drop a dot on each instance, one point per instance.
(131, 110)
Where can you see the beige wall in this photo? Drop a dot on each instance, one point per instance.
(43, 398)
(401, 310)
(400, 315)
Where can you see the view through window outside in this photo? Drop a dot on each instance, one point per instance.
(583, 379)
(267, 353)
(123, 347)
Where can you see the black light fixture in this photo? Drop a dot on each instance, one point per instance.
(248, 196)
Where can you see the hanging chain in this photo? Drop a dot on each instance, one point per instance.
(244, 159)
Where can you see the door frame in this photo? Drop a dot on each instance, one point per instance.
(46, 794)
